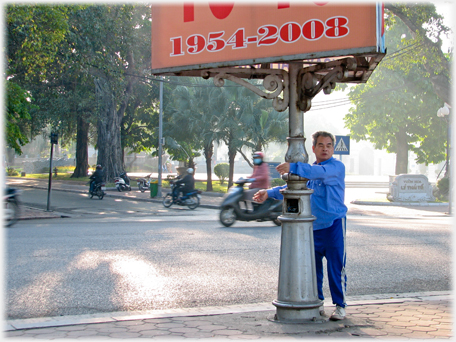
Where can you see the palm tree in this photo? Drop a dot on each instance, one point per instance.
(197, 109)
(264, 124)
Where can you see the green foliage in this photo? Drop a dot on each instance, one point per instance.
(422, 43)
(396, 109)
(443, 184)
(12, 172)
(222, 171)
(277, 182)
(34, 34)
(18, 107)
(216, 185)
(34, 37)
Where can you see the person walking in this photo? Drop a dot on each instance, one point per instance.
(327, 178)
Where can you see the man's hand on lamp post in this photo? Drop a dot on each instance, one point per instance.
(283, 168)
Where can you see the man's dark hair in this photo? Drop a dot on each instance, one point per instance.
(322, 134)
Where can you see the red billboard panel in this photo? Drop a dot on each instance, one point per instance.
(196, 35)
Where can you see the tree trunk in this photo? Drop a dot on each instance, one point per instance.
(82, 149)
(231, 156)
(401, 152)
(208, 153)
(109, 138)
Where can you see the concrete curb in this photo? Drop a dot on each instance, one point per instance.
(46, 322)
(400, 204)
(211, 206)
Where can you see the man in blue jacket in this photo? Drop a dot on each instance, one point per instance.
(327, 178)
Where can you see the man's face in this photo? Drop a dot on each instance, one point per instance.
(324, 149)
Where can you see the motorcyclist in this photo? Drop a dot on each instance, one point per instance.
(186, 184)
(261, 175)
(96, 177)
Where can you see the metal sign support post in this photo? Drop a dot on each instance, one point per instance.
(297, 299)
(54, 138)
(160, 142)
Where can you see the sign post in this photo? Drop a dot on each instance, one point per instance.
(297, 50)
(54, 140)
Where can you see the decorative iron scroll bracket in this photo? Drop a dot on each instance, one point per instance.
(312, 78)
(275, 81)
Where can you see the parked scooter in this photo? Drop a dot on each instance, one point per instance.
(12, 206)
(144, 183)
(234, 206)
(191, 199)
(122, 182)
(98, 190)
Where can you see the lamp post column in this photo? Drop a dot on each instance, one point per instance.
(297, 299)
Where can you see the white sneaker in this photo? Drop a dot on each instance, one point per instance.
(338, 314)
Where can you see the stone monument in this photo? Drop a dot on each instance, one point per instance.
(410, 188)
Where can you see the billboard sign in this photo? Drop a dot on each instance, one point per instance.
(197, 35)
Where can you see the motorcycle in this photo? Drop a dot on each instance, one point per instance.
(234, 206)
(98, 190)
(143, 183)
(12, 206)
(122, 182)
(191, 199)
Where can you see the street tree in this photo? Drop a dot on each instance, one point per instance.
(33, 36)
(263, 125)
(182, 126)
(197, 110)
(426, 30)
(232, 125)
(396, 109)
(139, 131)
(114, 40)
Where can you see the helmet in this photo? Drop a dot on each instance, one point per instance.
(99, 167)
(258, 154)
(190, 170)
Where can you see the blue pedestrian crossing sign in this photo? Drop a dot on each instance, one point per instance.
(342, 145)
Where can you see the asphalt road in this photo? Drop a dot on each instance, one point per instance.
(119, 255)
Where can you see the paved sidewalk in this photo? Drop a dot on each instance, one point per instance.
(395, 316)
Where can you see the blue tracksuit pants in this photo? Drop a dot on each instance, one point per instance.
(330, 243)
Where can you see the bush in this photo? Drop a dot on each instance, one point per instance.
(443, 184)
(277, 182)
(222, 171)
(12, 172)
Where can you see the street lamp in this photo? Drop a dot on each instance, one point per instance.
(444, 113)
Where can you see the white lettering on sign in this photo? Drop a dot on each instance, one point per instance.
(290, 32)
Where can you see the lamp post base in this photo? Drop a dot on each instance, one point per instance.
(288, 312)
